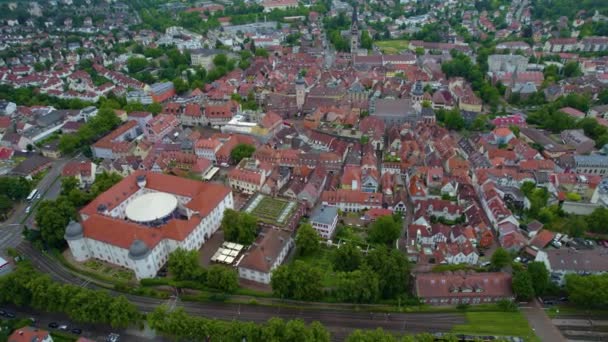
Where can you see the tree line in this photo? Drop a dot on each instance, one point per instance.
(590, 291)
(381, 274)
(181, 326)
(27, 287)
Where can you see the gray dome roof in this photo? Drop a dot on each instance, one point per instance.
(73, 231)
(138, 250)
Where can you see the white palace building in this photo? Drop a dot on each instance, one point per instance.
(139, 221)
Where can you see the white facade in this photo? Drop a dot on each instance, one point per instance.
(86, 248)
(265, 277)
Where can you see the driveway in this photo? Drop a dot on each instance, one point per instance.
(541, 324)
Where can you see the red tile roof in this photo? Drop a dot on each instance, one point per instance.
(461, 284)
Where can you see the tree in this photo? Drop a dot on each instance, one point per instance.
(539, 276)
(572, 69)
(6, 204)
(500, 259)
(183, 264)
(122, 313)
(454, 120)
(394, 270)
(366, 40)
(239, 227)
(360, 286)
(103, 182)
(522, 285)
(136, 64)
(222, 278)
(307, 240)
(180, 85)
(597, 220)
(298, 281)
(377, 335)
(241, 151)
(15, 188)
(220, 60)
(68, 184)
(347, 257)
(576, 225)
(590, 291)
(51, 218)
(384, 230)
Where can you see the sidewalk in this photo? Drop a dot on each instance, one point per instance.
(541, 324)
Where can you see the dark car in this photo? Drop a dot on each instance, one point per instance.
(76, 331)
(53, 325)
(2, 312)
(10, 314)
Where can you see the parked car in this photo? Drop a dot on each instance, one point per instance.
(2, 312)
(53, 325)
(76, 331)
(113, 337)
(28, 209)
(63, 327)
(10, 314)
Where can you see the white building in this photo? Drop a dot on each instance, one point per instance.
(324, 220)
(265, 255)
(138, 222)
(561, 262)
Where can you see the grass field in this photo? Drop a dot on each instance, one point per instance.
(497, 323)
(392, 46)
(322, 261)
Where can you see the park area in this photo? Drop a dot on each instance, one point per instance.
(271, 210)
(392, 47)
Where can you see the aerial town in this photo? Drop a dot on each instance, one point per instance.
(284, 170)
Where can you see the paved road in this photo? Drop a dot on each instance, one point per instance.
(10, 230)
(340, 323)
(96, 332)
(541, 324)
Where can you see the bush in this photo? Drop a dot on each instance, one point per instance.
(507, 305)
(463, 307)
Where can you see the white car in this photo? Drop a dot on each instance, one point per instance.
(28, 209)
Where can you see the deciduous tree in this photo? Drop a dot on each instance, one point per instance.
(500, 259)
(385, 230)
(183, 264)
(307, 240)
(241, 151)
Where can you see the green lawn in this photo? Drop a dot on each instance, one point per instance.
(392, 46)
(322, 261)
(496, 323)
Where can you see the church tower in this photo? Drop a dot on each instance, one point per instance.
(300, 92)
(354, 33)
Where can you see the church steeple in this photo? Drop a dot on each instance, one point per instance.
(354, 32)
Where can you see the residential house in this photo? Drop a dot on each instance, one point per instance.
(83, 171)
(561, 262)
(30, 334)
(463, 288)
(352, 200)
(265, 255)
